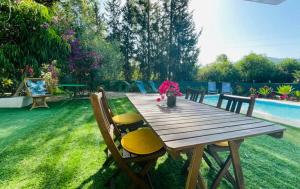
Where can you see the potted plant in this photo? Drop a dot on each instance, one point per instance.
(253, 92)
(169, 89)
(265, 91)
(297, 95)
(284, 91)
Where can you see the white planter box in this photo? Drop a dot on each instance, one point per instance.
(15, 102)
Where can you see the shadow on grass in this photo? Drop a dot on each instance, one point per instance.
(100, 179)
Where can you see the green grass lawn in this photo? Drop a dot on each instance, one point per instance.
(61, 147)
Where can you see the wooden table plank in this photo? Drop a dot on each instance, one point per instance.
(203, 127)
(197, 122)
(155, 116)
(235, 135)
(212, 131)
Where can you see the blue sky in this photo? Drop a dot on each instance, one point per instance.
(238, 27)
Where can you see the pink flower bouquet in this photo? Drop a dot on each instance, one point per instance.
(169, 87)
(171, 90)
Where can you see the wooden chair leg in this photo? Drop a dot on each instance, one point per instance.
(186, 163)
(34, 104)
(111, 182)
(147, 166)
(222, 173)
(108, 161)
(148, 180)
(234, 152)
(200, 182)
(208, 162)
(221, 164)
(45, 103)
(216, 157)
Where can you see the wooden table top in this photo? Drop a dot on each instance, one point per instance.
(191, 123)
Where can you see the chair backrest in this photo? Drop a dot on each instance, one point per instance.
(153, 87)
(193, 94)
(104, 126)
(36, 86)
(212, 86)
(226, 87)
(108, 111)
(141, 87)
(235, 103)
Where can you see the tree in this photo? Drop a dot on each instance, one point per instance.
(183, 51)
(286, 68)
(143, 38)
(128, 37)
(28, 38)
(92, 57)
(113, 20)
(159, 42)
(255, 67)
(221, 70)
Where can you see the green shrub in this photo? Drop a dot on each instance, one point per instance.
(239, 90)
(265, 91)
(252, 91)
(285, 89)
(297, 95)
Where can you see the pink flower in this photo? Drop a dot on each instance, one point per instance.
(169, 86)
(283, 97)
(30, 71)
(158, 100)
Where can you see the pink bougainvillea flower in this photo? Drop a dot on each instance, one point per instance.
(158, 100)
(30, 71)
(283, 97)
(171, 86)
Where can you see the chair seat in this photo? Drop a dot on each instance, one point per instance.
(142, 141)
(127, 118)
(222, 144)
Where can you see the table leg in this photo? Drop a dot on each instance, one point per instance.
(194, 167)
(236, 162)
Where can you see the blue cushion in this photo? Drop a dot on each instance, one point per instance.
(37, 88)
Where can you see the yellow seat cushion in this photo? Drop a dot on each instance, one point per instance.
(127, 118)
(222, 144)
(142, 141)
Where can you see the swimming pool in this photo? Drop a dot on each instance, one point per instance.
(281, 112)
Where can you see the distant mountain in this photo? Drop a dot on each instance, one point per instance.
(277, 60)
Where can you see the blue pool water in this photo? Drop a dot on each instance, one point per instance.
(271, 110)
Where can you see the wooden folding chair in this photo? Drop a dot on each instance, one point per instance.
(193, 94)
(38, 97)
(125, 159)
(234, 104)
(119, 129)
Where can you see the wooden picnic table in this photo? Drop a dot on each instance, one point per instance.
(190, 126)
